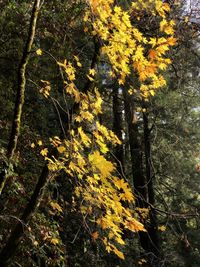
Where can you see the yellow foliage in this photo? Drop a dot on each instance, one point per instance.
(134, 225)
(69, 70)
(85, 139)
(99, 163)
(127, 46)
(84, 155)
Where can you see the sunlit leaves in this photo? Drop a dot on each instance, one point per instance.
(69, 69)
(84, 157)
(131, 48)
(100, 164)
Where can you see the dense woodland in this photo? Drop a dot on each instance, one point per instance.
(99, 133)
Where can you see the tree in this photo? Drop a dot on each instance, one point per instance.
(135, 40)
(20, 94)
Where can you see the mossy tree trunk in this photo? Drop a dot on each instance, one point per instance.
(12, 145)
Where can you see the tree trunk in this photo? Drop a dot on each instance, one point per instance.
(20, 93)
(152, 226)
(117, 129)
(16, 235)
(142, 181)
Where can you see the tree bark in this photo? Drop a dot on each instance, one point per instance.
(152, 226)
(16, 235)
(20, 92)
(142, 179)
(117, 129)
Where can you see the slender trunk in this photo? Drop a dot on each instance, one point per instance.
(20, 92)
(152, 227)
(139, 180)
(16, 235)
(22, 81)
(117, 129)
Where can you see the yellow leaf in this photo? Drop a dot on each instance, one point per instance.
(101, 164)
(142, 261)
(77, 61)
(61, 149)
(166, 7)
(56, 206)
(90, 78)
(54, 241)
(152, 92)
(39, 143)
(162, 228)
(32, 145)
(44, 152)
(39, 52)
(35, 243)
(135, 226)
(92, 72)
(118, 253)
(85, 139)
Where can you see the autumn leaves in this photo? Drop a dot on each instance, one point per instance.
(132, 47)
(85, 154)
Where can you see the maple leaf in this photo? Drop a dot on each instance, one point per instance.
(61, 149)
(135, 226)
(39, 52)
(32, 145)
(152, 54)
(92, 72)
(162, 228)
(101, 164)
(44, 152)
(54, 241)
(39, 143)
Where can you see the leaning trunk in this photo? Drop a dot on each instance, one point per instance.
(16, 235)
